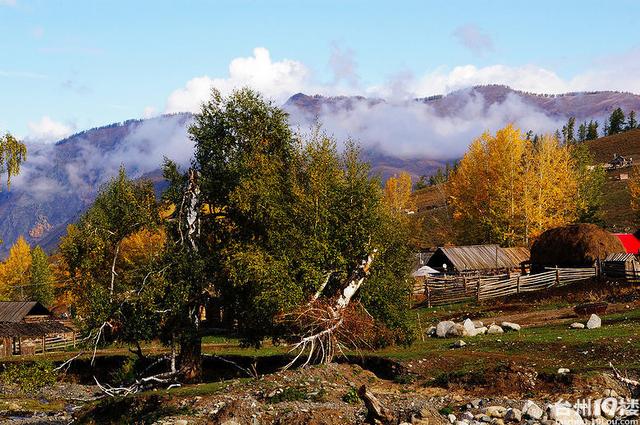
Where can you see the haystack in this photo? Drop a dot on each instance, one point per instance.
(576, 245)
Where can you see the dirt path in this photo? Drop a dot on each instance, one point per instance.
(552, 317)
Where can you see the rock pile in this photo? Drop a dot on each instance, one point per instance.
(560, 413)
(450, 329)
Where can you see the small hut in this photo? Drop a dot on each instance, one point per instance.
(28, 327)
(576, 245)
(621, 264)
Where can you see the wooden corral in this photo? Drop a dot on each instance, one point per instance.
(27, 327)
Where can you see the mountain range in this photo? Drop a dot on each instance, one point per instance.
(59, 181)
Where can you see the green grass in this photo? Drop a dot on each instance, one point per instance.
(548, 347)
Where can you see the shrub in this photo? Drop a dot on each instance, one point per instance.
(30, 377)
(351, 397)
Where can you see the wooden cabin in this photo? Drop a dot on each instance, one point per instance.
(28, 327)
(474, 259)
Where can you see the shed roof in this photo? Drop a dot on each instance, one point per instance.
(517, 254)
(16, 311)
(37, 329)
(484, 257)
(620, 257)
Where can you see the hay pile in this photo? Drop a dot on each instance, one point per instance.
(576, 245)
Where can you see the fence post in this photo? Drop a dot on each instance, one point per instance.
(428, 296)
(478, 290)
(44, 350)
(464, 283)
(518, 285)
(557, 276)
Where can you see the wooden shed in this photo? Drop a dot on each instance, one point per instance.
(621, 264)
(478, 258)
(28, 327)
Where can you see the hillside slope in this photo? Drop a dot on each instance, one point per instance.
(60, 181)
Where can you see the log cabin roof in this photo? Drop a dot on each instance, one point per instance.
(37, 329)
(480, 257)
(16, 311)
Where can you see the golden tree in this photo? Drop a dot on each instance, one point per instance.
(508, 190)
(397, 192)
(15, 271)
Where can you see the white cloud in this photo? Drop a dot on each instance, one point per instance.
(277, 80)
(473, 38)
(7, 2)
(47, 130)
(415, 129)
(149, 112)
(529, 78)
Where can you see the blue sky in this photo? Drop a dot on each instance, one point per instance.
(70, 65)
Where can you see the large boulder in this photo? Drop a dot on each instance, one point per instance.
(443, 327)
(594, 322)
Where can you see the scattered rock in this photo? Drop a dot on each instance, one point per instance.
(476, 403)
(564, 415)
(431, 331)
(495, 329)
(457, 330)
(510, 326)
(532, 410)
(481, 331)
(594, 322)
(563, 370)
(462, 423)
(478, 324)
(497, 421)
(458, 344)
(483, 418)
(495, 411)
(577, 325)
(470, 327)
(513, 415)
(452, 418)
(443, 327)
(184, 422)
(468, 416)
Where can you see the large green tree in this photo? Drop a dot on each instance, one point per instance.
(279, 220)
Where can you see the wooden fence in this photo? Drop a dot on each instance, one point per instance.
(453, 289)
(56, 343)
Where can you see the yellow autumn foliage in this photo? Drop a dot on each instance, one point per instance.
(508, 190)
(14, 272)
(397, 192)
